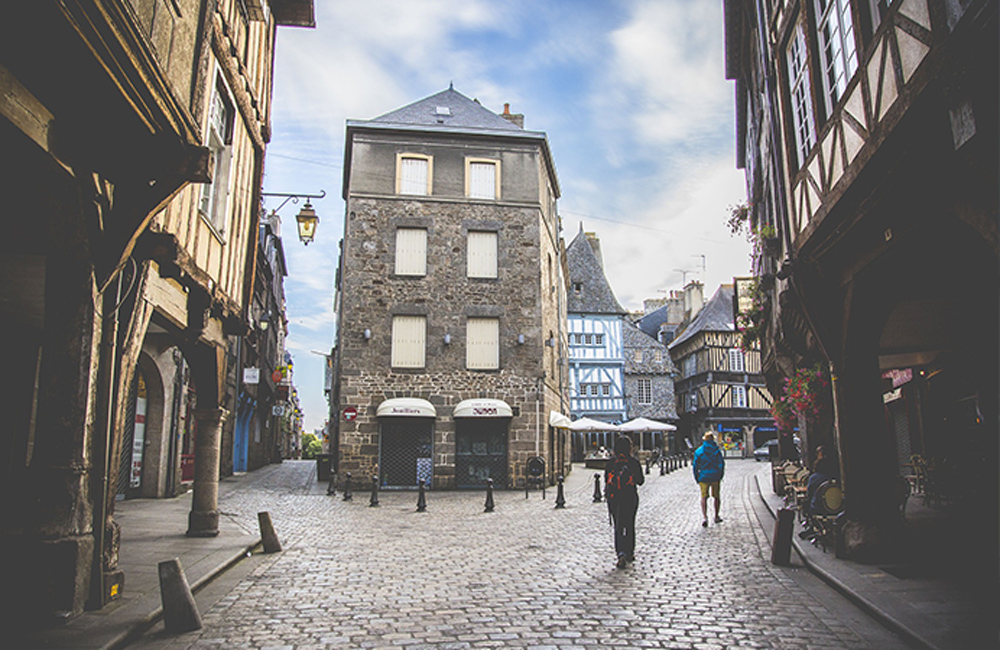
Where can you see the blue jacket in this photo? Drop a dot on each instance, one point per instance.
(708, 464)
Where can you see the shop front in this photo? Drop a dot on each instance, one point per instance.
(481, 431)
(406, 428)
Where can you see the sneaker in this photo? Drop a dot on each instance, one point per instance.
(622, 561)
(704, 523)
(718, 519)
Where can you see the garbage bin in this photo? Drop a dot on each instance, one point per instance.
(323, 463)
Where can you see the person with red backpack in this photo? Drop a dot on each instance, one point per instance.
(622, 476)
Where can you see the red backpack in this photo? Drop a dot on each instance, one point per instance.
(619, 476)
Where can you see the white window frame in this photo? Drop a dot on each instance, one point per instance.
(214, 202)
(411, 251)
(409, 341)
(482, 349)
(482, 250)
(644, 391)
(800, 94)
(736, 361)
(404, 185)
(739, 392)
(838, 54)
(606, 390)
(475, 173)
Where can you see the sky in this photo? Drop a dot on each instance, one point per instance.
(631, 94)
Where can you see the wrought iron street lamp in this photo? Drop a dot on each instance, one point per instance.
(306, 219)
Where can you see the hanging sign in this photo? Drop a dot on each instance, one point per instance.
(251, 376)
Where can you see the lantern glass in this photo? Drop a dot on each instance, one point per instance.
(307, 220)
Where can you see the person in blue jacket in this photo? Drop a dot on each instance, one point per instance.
(709, 467)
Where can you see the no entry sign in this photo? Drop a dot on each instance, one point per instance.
(350, 413)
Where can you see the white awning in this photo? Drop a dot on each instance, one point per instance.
(407, 407)
(483, 408)
(557, 419)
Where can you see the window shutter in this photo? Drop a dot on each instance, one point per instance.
(408, 341)
(413, 176)
(482, 337)
(411, 251)
(482, 180)
(482, 254)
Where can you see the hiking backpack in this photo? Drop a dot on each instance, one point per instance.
(618, 476)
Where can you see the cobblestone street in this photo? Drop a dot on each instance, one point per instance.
(527, 575)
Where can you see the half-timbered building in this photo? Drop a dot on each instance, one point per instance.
(720, 388)
(868, 133)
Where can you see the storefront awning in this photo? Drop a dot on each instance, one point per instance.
(483, 408)
(557, 419)
(407, 407)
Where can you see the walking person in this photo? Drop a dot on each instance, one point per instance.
(622, 476)
(709, 468)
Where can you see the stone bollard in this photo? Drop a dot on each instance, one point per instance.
(347, 488)
(421, 498)
(374, 500)
(267, 534)
(560, 499)
(180, 612)
(597, 488)
(489, 495)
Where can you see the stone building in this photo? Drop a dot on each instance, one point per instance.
(649, 384)
(132, 137)
(868, 134)
(450, 300)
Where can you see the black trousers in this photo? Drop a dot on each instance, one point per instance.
(623, 518)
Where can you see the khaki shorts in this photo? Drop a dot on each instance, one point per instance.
(714, 486)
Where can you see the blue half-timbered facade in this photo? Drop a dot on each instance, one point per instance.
(596, 350)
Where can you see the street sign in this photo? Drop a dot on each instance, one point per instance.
(276, 376)
(251, 376)
(350, 413)
(278, 409)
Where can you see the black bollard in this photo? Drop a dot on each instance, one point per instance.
(663, 463)
(421, 498)
(374, 502)
(597, 488)
(489, 495)
(331, 487)
(560, 499)
(347, 488)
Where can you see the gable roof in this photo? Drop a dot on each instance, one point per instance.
(715, 316)
(595, 296)
(632, 338)
(448, 108)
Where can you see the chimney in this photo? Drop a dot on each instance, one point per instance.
(514, 118)
(595, 245)
(694, 298)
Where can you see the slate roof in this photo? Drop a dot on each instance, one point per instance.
(595, 296)
(715, 316)
(461, 113)
(633, 337)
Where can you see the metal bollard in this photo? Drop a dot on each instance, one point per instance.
(663, 463)
(783, 525)
(421, 498)
(347, 488)
(374, 501)
(560, 499)
(489, 495)
(597, 488)
(331, 486)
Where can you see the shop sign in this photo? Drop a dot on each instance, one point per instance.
(892, 395)
(898, 377)
(251, 376)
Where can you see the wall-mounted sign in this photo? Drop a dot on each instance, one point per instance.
(278, 409)
(350, 413)
(251, 376)
(276, 376)
(892, 395)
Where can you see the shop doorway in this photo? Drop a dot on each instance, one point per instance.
(405, 452)
(480, 452)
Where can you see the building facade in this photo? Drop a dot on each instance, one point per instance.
(868, 134)
(450, 300)
(649, 385)
(720, 387)
(133, 132)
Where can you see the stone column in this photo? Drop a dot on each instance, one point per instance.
(203, 521)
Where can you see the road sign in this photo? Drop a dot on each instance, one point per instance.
(350, 413)
(278, 410)
(276, 376)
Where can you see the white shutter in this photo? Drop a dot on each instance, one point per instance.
(411, 251)
(482, 337)
(736, 360)
(408, 341)
(482, 180)
(482, 254)
(413, 176)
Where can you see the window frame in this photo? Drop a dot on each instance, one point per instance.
(469, 162)
(644, 391)
(397, 356)
(800, 99)
(475, 270)
(472, 338)
(739, 396)
(736, 353)
(213, 202)
(837, 48)
(403, 156)
(418, 269)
